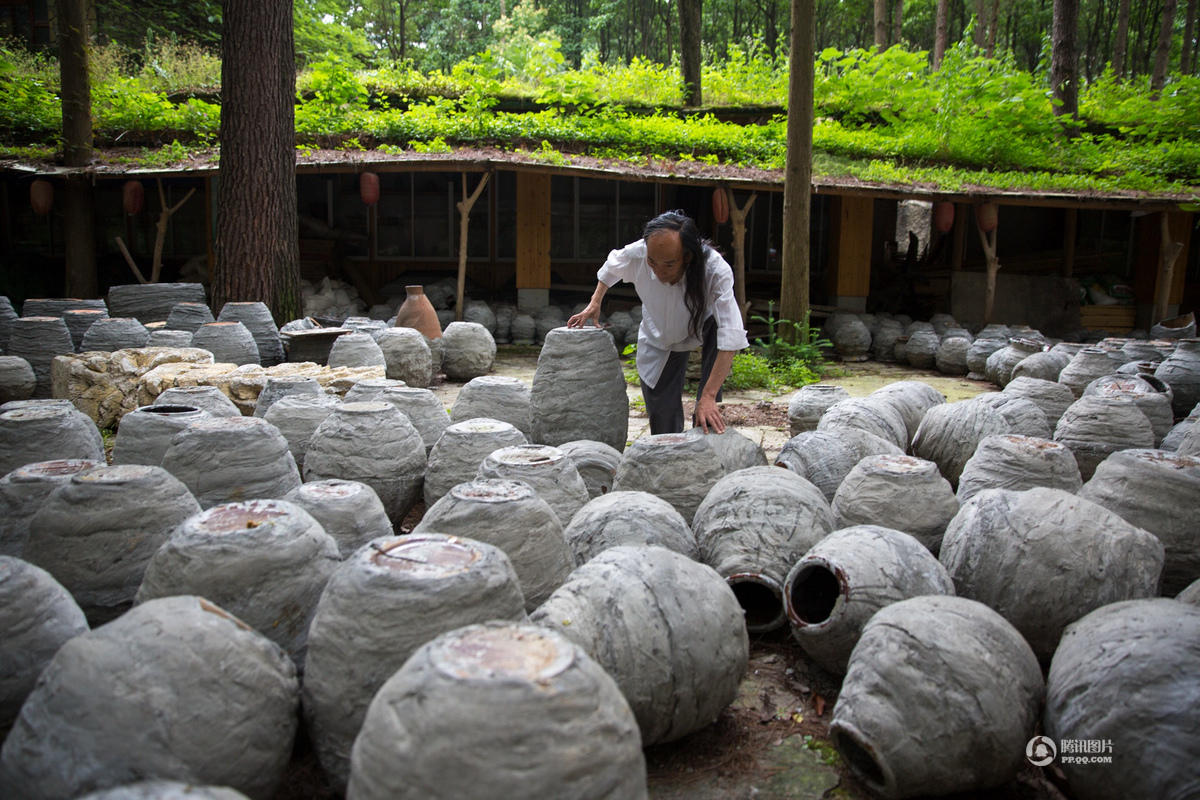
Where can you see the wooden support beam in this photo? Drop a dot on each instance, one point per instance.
(850, 251)
(533, 230)
(1168, 252)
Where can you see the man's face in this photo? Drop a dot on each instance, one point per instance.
(666, 256)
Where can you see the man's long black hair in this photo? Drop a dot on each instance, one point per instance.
(697, 245)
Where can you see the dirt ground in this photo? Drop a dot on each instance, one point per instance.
(773, 741)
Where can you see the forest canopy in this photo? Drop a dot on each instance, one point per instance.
(577, 77)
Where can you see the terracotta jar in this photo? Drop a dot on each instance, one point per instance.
(417, 312)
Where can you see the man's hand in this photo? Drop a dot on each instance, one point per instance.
(708, 416)
(590, 313)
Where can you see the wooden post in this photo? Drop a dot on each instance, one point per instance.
(464, 212)
(1168, 253)
(737, 216)
(988, 241)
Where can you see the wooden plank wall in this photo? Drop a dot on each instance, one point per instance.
(533, 230)
(850, 253)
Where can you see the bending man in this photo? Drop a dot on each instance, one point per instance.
(686, 289)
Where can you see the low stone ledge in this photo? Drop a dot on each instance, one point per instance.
(106, 386)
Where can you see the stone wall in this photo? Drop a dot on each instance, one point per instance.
(106, 386)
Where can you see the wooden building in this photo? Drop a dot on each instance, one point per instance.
(539, 231)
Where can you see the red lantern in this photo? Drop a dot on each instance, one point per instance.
(943, 216)
(987, 216)
(133, 197)
(41, 196)
(720, 205)
(368, 188)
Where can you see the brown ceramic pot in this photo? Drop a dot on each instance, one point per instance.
(417, 312)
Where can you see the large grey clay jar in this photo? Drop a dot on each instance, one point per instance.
(264, 561)
(355, 350)
(883, 341)
(638, 609)
(189, 316)
(406, 356)
(57, 306)
(501, 397)
(468, 351)
(810, 402)
(370, 389)
(898, 728)
(1149, 393)
(381, 604)
(1052, 397)
(628, 518)
(97, 532)
(372, 442)
(1087, 365)
(1044, 365)
(903, 492)
(1015, 462)
(38, 616)
(751, 528)
(162, 337)
(493, 689)
(114, 333)
(7, 315)
(1181, 371)
(46, 432)
(1098, 425)
(1157, 491)
(951, 355)
(1149, 647)
(229, 342)
(286, 386)
(349, 511)
(852, 340)
(224, 459)
(17, 380)
(79, 320)
(205, 398)
(922, 348)
(463, 446)
(151, 302)
(258, 320)
(22, 493)
(579, 389)
(511, 516)
(597, 464)
(546, 469)
(38, 340)
(843, 579)
(1044, 557)
(424, 410)
(824, 458)
(146, 432)
(979, 352)
(297, 417)
(1000, 365)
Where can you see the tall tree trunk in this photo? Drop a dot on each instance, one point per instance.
(257, 249)
(1121, 44)
(79, 234)
(992, 24)
(897, 21)
(689, 50)
(979, 36)
(1064, 58)
(1162, 54)
(940, 34)
(797, 181)
(881, 24)
(1189, 30)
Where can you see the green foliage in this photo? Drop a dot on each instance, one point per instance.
(750, 371)
(788, 340)
(29, 108)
